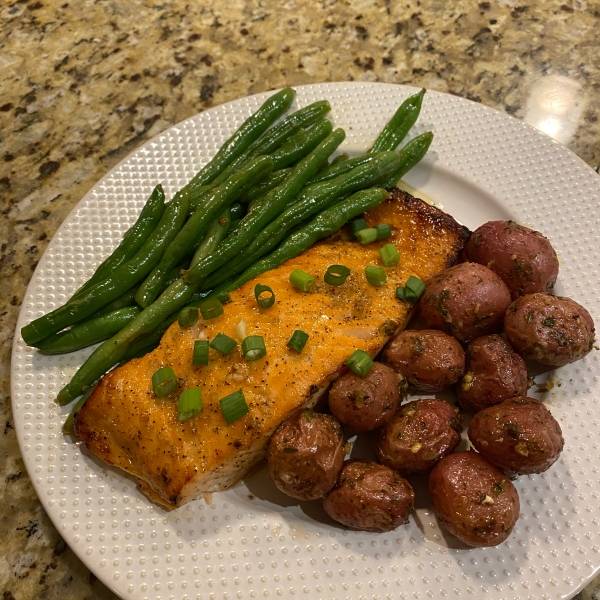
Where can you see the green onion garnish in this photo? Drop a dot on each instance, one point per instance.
(302, 280)
(234, 406)
(188, 316)
(359, 362)
(223, 297)
(383, 231)
(375, 275)
(298, 340)
(412, 290)
(223, 343)
(260, 289)
(164, 381)
(190, 404)
(358, 225)
(253, 347)
(366, 236)
(336, 274)
(200, 355)
(211, 308)
(416, 285)
(389, 255)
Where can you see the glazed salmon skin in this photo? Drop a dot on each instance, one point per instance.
(126, 425)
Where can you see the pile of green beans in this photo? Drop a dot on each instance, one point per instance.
(268, 194)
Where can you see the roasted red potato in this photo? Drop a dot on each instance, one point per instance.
(520, 435)
(418, 435)
(474, 500)
(370, 497)
(553, 330)
(523, 258)
(494, 372)
(467, 301)
(306, 454)
(429, 359)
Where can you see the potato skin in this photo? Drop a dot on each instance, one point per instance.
(418, 435)
(474, 500)
(519, 435)
(553, 330)
(429, 359)
(370, 497)
(364, 403)
(494, 372)
(306, 454)
(467, 301)
(523, 258)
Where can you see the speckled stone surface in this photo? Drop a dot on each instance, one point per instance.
(85, 83)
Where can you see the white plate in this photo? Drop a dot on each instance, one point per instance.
(251, 542)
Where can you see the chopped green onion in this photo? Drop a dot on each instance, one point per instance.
(253, 347)
(405, 294)
(359, 362)
(383, 231)
(412, 290)
(375, 275)
(336, 274)
(211, 308)
(302, 280)
(234, 406)
(389, 255)
(260, 289)
(190, 404)
(298, 340)
(366, 236)
(358, 225)
(188, 316)
(416, 285)
(200, 356)
(223, 297)
(164, 381)
(223, 343)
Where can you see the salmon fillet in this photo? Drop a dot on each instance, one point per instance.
(126, 425)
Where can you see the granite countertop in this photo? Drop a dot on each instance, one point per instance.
(85, 83)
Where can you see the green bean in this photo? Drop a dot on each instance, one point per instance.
(333, 170)
(174, 274)
(296, 147)
(268, 143)
(340, 158)
(266, 185)
(111, 351)
(324, 224)
(300, 144)
(125, 277)
(250, 130)
(279, 133)
(132, 240)
(69, 424)
(127, 299)
(223, 195)
(217, 232)
(398, 126)
(313, 199)
(238, 211)
(410, 155)
(274, 137)
(88, 333)
(275, 202)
